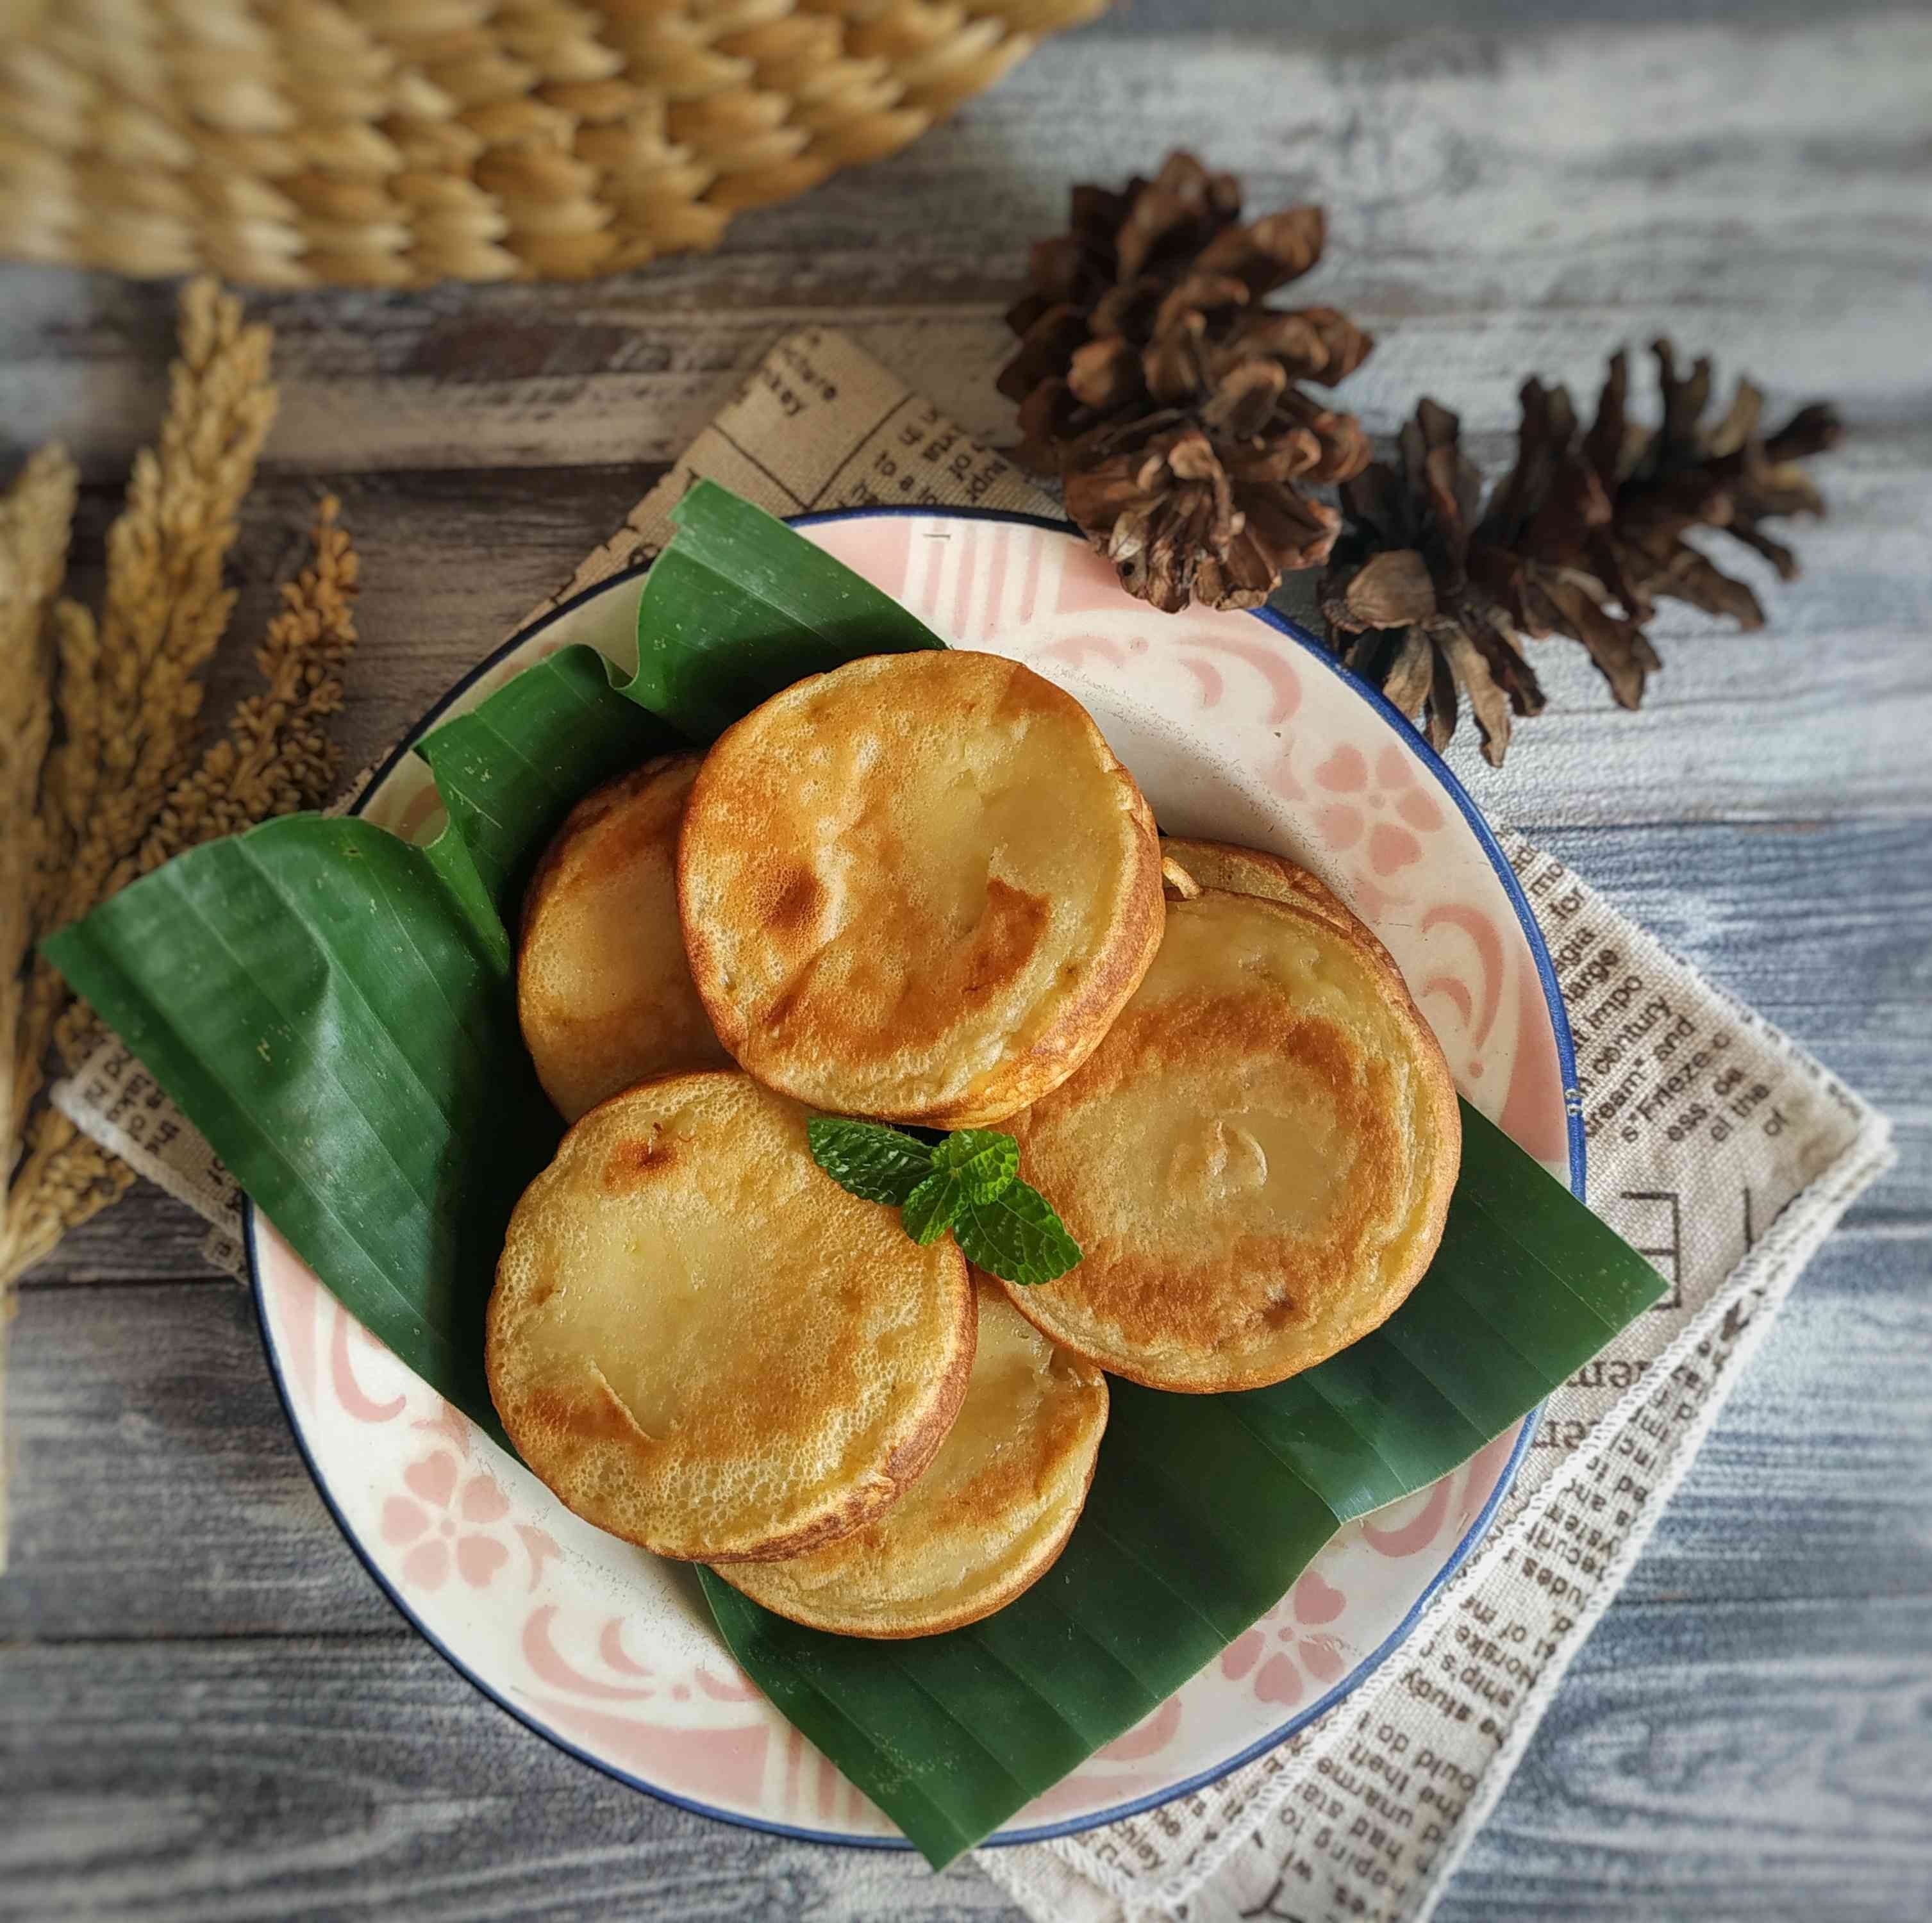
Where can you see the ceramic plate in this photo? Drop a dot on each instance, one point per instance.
(1237, 726)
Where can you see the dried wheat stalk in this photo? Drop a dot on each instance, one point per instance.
(277, 757)
(99, 780)
(166, 608)
(67, 1179)
(123, 789)
(35, 515)
(128, 699)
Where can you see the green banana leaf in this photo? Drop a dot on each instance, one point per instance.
(335, 1010)
(1204, 1511)
(732, 613)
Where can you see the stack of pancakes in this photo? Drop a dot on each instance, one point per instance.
(921, 889)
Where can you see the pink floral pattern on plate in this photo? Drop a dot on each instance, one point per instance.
(445, 1517)
(1289, 1651)
(1234, 731)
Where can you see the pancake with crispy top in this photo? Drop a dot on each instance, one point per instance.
(604, 992)
(1256, 1162)
(984, 1522)
(703, 1344)
(920, 887)
(1239, 871)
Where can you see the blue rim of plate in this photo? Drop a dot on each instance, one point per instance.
(1477, 1529)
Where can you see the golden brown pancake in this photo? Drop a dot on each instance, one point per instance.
(920, 887)
(986, 1521)
(1241, 870)
(604, 992)
(703, 1344)
(1256, 1162)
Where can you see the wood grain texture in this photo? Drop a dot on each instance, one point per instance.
(1514, 201)
(207, 1708)
(1819, 716)
(247, 1781)
(1825, 929)
(159, 1492)
(241, 1781)
(147, 1239)
(1354, 20)
(1725, 1762)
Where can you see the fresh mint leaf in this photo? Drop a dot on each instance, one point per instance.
(1016, 1236)
(984, 1162)
(931, 1207)
(880, 1163)
(967, 1181)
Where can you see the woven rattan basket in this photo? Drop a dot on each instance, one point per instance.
(396, 143)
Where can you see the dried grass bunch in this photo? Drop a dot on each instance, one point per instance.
(101, 777)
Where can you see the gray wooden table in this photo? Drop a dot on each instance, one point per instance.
(207, 1710)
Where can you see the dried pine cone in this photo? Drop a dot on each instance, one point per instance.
(1580, 538)
(1154, 382)
(1726, 474)
(1400, 580)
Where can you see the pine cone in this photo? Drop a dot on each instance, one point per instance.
(1686, 474)
(1154, 382)
(1581, 537)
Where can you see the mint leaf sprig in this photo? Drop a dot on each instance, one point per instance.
(968, 1181)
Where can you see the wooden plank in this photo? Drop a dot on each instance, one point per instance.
(156, 1488)
(451, 562)
(1747, 1761)
(1823, 716)
(157, 1491)
(1497, 204)
(1783, 1500)
(1734, 1763)
(1351, 21)
(246, 1781)
(1817, 716)
(146, 1238)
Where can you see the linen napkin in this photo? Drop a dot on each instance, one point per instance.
(1716, 1147)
